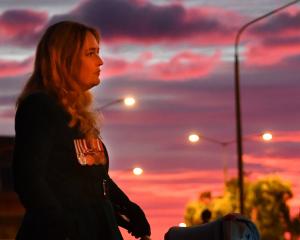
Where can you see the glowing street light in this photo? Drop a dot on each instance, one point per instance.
(182, 224)
(267, 136)
(128, 102)
(137, 171)
(194, 138)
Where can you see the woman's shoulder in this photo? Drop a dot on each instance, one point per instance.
(38, 97)
(38, 101)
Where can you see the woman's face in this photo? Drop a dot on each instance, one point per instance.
(89, 63)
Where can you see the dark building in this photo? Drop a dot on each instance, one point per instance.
(11, 211)
(6, 154)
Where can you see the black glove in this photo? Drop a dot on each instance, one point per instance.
(138, 220)
(133, 219)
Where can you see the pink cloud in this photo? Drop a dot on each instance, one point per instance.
(267, 54)
(14, 68)
(182, 66)
(278, 136)
(117, 67)
(281, 136)
(186, 65)
(7, 112)
(273, 162)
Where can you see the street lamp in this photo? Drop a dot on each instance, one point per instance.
(267, 136)
(196, 137)
(137, 171)
(193, 138)
(238, 105)
(128, 101)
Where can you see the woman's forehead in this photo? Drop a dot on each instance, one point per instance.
(90, 42)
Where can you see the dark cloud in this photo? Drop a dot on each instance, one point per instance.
(278, 24)
(277, 41)
(21, 27)
(293, 61)
(147, 22)
(124, 19)
(14, 18)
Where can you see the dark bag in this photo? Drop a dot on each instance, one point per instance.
(229, 227)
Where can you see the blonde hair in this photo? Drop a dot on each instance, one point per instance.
(56, 61)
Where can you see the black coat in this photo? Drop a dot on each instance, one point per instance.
(64, 199)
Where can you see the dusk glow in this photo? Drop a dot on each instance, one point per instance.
(176, 60)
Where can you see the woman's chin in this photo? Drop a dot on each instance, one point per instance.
(91, 85)
(97, 83)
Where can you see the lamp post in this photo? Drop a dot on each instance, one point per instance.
(237, 102)
(195, 137)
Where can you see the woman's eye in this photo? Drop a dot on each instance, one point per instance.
(90, 53)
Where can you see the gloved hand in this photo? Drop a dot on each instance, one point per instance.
(139, 226)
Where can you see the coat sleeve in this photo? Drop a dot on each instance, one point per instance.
(135, 220)
(35, 132)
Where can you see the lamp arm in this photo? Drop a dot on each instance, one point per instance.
(237, 38)
(109, 104)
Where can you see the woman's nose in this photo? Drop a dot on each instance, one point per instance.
(100, 61)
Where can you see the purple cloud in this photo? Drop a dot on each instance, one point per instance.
(278, 24)
(21, 27)
(122, 19)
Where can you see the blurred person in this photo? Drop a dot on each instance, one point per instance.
(205, 216)
(60, 162)
(195, 208)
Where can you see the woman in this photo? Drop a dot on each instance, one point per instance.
(60, 163)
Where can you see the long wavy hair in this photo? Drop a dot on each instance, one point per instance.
(56, 61)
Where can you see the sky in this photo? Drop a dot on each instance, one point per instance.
(176, 57)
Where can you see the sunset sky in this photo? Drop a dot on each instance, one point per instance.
(176, 58)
